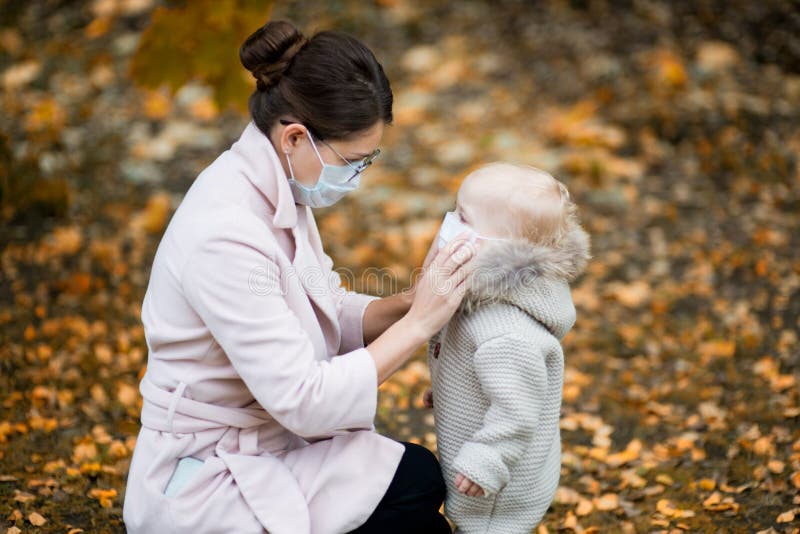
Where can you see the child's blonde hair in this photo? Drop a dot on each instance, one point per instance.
(541, 208)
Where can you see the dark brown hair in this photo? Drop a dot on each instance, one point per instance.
(330, 82)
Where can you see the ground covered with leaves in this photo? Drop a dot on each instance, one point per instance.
(674, 125)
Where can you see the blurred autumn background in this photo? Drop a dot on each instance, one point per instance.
(674, 124)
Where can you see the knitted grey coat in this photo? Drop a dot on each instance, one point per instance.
(497, 372)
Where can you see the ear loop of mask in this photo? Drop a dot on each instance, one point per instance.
(291, 169)
(289, 161)
(314, 146)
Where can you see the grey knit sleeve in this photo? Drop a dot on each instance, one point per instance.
(514, 377)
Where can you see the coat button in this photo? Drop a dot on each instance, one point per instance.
(436, 350)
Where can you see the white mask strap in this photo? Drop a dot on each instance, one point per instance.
(314, 146)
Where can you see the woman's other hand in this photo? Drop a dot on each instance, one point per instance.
(468, 487)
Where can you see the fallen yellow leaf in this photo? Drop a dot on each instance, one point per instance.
(106, 497)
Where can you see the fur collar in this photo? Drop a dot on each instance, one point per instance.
(506, 269)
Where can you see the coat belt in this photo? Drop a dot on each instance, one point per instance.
(171, 411)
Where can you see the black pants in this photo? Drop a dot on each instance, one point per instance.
(411, 504)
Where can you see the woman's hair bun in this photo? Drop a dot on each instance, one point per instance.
(269, 51)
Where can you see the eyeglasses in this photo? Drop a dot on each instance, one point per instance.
(358, 166)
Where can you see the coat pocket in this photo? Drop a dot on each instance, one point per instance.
(186, 469)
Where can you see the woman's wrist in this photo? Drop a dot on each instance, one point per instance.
(407, 297)
(416, 329)
(392, 349)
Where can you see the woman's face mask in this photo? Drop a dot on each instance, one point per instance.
(452, 226)
(334, 182)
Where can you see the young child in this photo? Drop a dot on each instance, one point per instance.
(497, 367)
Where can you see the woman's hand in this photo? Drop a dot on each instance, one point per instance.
(440, 289)
(427, 398)
(468, 487)
(383, 313)
(437, 295)
(433, 250)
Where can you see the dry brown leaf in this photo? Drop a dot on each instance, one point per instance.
(631, 452)
(64, 241)
(668, 509)
(157, 105)
(103, 353)
(782, 383)
(566, 495)
(631, 295)
(717, 348)
(764, 446)
(716, 503)
(16, 515)
(776, 466)
(127, 395)
(630, 478)
(153, 217)
(788, 516)
(98, 27)
(36, 519)
(584, 507)
(570, 521)
(665, 479)
(668, 69)
(606, 502)
(90, 468)
(86, 450)
(706, 484)
(23, 496)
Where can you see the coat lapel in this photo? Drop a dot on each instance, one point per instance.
(263, 168)
(314, 278)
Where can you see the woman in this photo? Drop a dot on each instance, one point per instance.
(262, 376)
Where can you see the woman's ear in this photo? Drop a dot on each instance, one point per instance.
(292, 134)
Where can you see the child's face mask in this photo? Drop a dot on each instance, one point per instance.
(452, 227)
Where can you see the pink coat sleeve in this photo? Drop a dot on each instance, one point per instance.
(266, 343)
(350, 307)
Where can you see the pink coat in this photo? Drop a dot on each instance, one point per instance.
(256, 365)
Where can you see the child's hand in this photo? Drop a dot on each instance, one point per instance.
(427, 398)
(468, 487)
